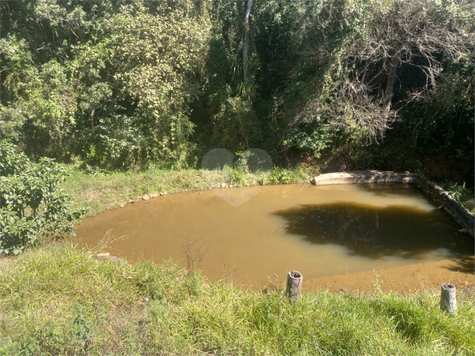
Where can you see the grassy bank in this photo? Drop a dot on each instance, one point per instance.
(100, 191)
(61, 300)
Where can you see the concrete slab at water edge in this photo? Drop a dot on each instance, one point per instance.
(363, 177)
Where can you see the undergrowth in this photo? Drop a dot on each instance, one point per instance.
(464, 195)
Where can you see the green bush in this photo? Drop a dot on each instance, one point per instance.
(31, 205)
(458, 192)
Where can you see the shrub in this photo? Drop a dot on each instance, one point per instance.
(31, 205)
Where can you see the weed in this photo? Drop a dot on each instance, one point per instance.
(82, 327)
(377, 282)
(464, 195)
(194, 251)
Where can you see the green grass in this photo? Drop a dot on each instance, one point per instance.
(100, 191)
(60, 300)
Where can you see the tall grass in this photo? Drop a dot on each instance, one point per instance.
(60, 300)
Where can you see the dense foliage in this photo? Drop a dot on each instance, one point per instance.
(382, 83)
(31, 205)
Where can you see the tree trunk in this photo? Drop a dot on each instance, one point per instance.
(246, 41)
(388, 93)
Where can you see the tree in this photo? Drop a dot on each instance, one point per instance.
(158, 59)
(108, 81)
(245, 45)
(370, 58)
(419, 34)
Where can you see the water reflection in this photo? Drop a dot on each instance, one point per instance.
(375, 232)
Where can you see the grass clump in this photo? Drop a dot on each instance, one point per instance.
(462, 194)
(61, 300)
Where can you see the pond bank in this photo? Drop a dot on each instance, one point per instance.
(101, 191)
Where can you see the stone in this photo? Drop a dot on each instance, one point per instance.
(103, 256)
(117, 260)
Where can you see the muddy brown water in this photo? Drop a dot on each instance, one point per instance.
(338, 237)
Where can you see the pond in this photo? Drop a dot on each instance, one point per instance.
(320, 231)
